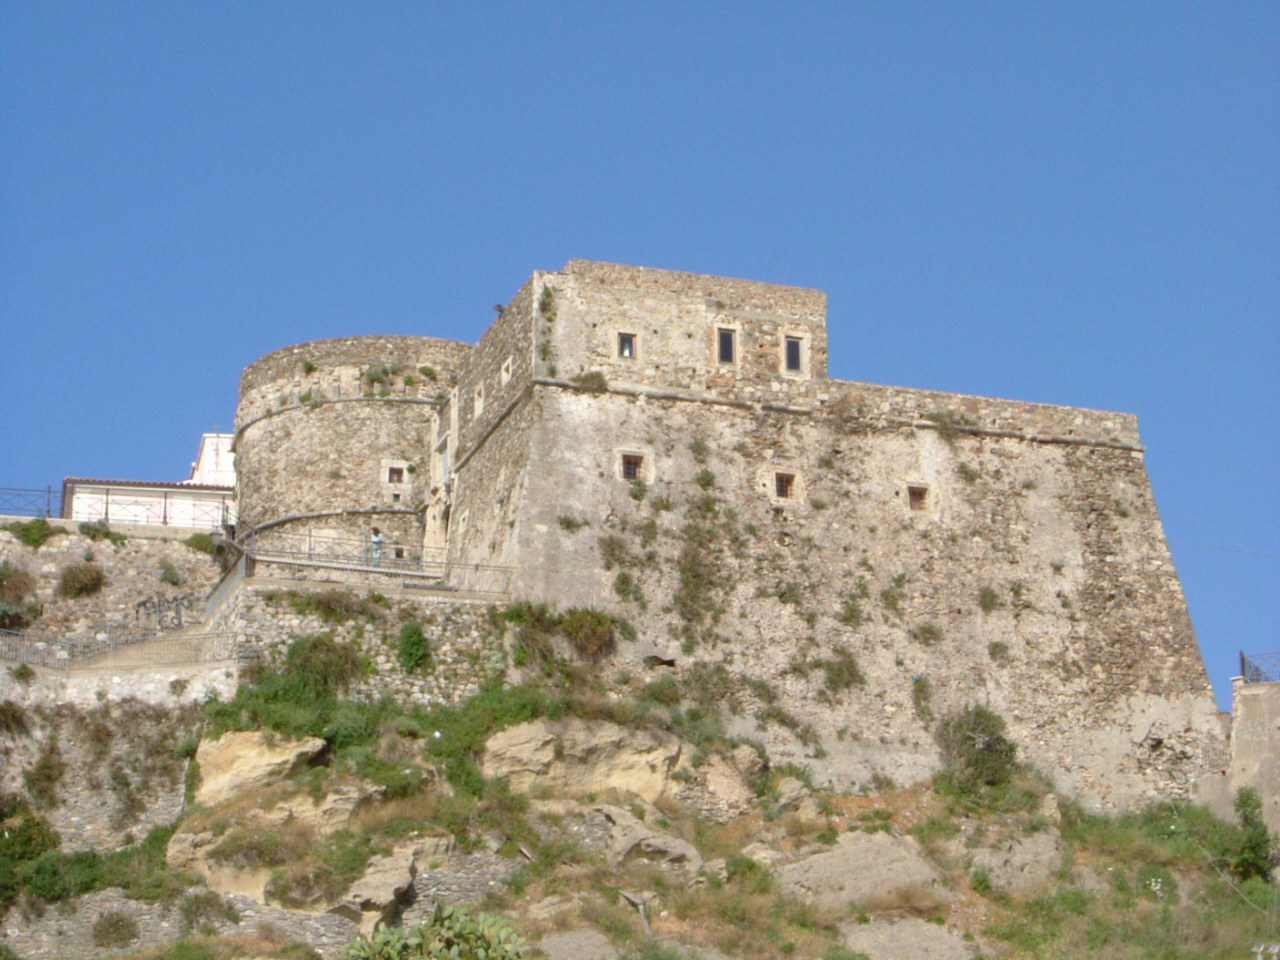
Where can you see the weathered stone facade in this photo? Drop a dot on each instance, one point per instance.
(849, 561)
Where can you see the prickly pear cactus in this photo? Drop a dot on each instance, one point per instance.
(452, 933)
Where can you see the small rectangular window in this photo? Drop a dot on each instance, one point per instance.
(395, 474)
(627, 346)
(632, 466)
(728, 346)
(399, 553)
(784, 485)
(395, 498)
(918, 498)
(794, 354)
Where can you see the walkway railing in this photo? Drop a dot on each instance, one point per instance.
(16, 502)
(1261, 668)
(416, 565)
(68, 655)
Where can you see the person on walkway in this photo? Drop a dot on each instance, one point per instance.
(377, 543)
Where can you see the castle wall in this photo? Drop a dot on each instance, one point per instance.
(1255, 729)
(675, 320)
(848, 561)
(330, 369)
(337, 434)
(1034, 578)
(317, 462)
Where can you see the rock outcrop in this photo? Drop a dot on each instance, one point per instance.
(247, 762)
(575, 757)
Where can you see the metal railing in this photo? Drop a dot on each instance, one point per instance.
(349, 552)
(68, 655)
(425, 565)
(163, 508)
(1260, 668)
(16, 502)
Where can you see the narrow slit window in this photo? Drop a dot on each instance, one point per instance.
(794, 349)
(784, 485)
(479, 402)
(395, 474)
(506, 372)
(632, 466)
(918, 498)
(728, 346)
(627, 346)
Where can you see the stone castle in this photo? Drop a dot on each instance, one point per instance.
(840, 563)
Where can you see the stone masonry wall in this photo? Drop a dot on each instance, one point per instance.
(110, 773)
(674, 319)
(334, 458)
(133, 589)
(1035, 579)
(501, 366)
(466, 642)
(330, 369)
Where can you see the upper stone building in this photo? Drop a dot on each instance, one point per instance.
(858, 558)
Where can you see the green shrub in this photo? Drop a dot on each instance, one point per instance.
(114, 929)
(35, 532)
(922, 698)
(22, 673)
(100, 530)
(415, 649)
(841, 669)
(590, 632)
(318, 667)
(170, 576)
(988, 599)
(13, 719)
(202, 543)
(452, 933)
(81, 580)
(42, 778)
(975, 749)
(16, 585)
(705, 479)
(1256, 851)
(664, 691)
(335, 606)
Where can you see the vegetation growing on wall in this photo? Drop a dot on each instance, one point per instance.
(34, 533)
(81, 580)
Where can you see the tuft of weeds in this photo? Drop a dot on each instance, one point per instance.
(929, 634)
(989, 599)
(81, 580)
(593, 381)
(34, 533)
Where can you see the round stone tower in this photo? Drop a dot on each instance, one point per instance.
(333, 438)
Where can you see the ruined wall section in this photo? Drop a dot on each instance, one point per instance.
(1033, 577)
(674, 320)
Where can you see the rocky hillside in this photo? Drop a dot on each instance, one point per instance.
(598, 814)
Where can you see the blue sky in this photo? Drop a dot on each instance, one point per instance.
(1070, 203)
